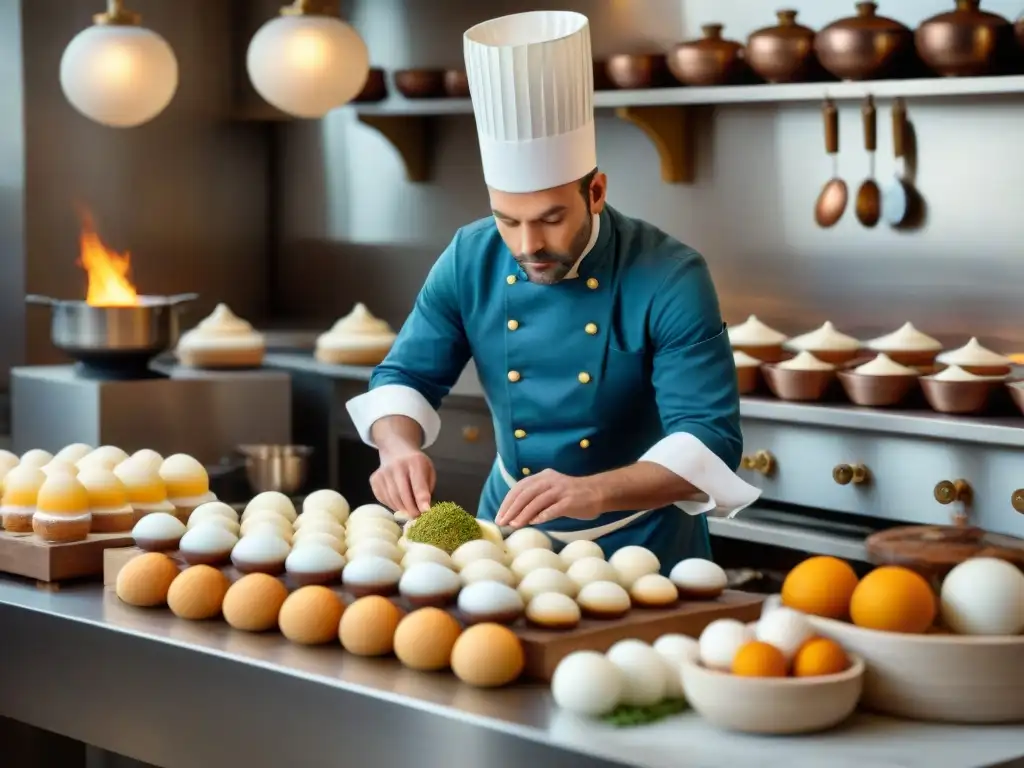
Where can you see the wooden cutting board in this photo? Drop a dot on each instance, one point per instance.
(25, 554)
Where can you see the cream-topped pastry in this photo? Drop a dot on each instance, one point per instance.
(358, 338)
(906, 338)
(222, 340)
(883, 365)
(827, 344)
(975, 358)
(108, 500)
(956, 373)
(805, 361)
(21, 490)
(187, 483)
(147, 492)
(757, 340)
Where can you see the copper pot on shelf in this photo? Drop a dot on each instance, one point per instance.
(420, 83)
(375, 89)
(865, 46)
(601, 80)
(710, 60)
(783, 53)
(637, 70)
(966, 42)
(1018, 29)
(456, 84)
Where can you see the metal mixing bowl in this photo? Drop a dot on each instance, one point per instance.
(281, 468)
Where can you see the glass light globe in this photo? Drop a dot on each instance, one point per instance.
(119, 75)
(307, 65)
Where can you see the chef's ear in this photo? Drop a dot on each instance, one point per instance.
(598, 192)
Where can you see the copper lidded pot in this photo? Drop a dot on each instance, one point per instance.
(865, 46)
(783, 53)
(966, 42)
(711, 60)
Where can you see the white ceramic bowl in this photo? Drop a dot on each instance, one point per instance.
(943, 678)
(773, 705)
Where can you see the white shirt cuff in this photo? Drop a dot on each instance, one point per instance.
(393, 400)
(693, 461)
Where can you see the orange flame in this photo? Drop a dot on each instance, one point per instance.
(108, 271)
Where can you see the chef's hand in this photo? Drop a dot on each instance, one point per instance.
(547, 495)
(405, 480)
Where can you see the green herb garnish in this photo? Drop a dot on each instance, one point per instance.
(625, 716)
(446, 526)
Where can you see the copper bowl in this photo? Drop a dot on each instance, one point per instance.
(783, 53)
(456, 84)
(630, 71)
(804, 386)
(865, 46)
(835, 356)
(916, 358)
(420, 83)
(711, 60)
(988, 370)
(958, 397)
(601, 80)
(877, 391)
(966, 42)
(748, 377)
(766, 353)
(375, 89)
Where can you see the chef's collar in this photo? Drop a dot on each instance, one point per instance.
(595, 230)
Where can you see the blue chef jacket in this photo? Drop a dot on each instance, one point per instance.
(583, 376)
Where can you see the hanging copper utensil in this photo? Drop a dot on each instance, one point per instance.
(896, 201)
(834, 195)
(869, 197)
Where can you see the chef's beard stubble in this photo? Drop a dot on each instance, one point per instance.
(564, 260)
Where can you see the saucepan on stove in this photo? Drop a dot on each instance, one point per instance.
(116, 337)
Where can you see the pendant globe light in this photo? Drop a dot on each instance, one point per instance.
(118, 73)
(307, 61)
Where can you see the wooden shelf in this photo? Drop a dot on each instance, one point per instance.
(665, 114)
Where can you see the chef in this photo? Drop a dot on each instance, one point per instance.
(597, 338)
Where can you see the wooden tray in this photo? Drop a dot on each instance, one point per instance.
(544, 649)
(25, 554)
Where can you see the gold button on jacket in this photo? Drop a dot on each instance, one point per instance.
(513, 324)
(514, 376)
(510, 279)
(520, 433)
(592, 283)
(584, 378)
(584, 443)
(590, 328)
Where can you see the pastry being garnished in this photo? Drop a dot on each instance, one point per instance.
(907, 345)
(972, 357)
(221, 340)
(755, 339)
(446, 525)
(827, 344)
(358, 338)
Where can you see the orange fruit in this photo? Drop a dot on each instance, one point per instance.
(759, 659)
(819, 656)
(820, 586)
(894, 599)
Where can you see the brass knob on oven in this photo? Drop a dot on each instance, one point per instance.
(844, 474)
(947, 491)
(470, 434)
(762, 462)
(1017, 500)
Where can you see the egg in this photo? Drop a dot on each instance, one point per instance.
(553, 610)
(319, 538)
(590, 569)
(426, 553)
(429, 584)
(785, 629)
(320, 526)
(652, 590)
(370, 510)
(587, 683)
(314, 514)
(269, 516)
(577, 550)
(145, 580)
(425, 638)
(314, 564)
(262, 552)
(330, 500)
(698, 579)
(212, 509)
(632, 562)
(525, 539)
(771, 603)
(365, 524)
(374, 548)
(368, 626)
(273, 500)
(358, 535)
(491, 533)
(488, 570)
(720, 641)
(219, 520)
(645, 672)
(532, 559)
(546, 580)
(490, 601)
(678, 648)
(197, 593)
(983, 596)
(603, 600)
(206, 544)
(253, 603)
(478, 549)
(268, 527)
(311, 616)
(158, 532)
(371, 575)
(488, 656)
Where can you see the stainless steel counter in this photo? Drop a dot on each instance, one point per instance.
(175, 693)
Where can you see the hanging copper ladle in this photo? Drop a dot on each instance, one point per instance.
(868, 205)
(834, 195)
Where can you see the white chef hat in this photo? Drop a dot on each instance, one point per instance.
(531, 77)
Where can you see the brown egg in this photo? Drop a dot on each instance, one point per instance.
(197, 593)
(146, 579)
(425, 638)
(310, 616)
(253, 602)
(488, 656)
(368, 625)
